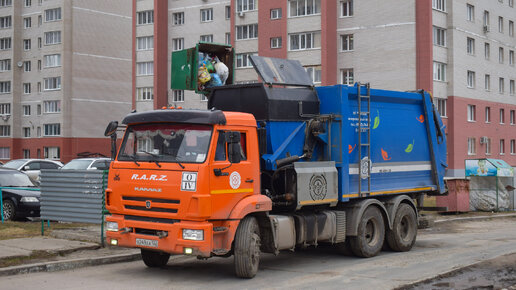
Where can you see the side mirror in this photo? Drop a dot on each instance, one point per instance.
(111, 128)
(233, 141)
(26, 167)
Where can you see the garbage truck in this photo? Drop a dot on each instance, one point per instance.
(272, 166)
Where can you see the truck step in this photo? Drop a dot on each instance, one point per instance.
(220, 229)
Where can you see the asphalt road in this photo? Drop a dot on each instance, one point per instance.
(443, 248)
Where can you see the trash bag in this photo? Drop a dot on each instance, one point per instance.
(203, 75)
(222, 70)
(215, 81)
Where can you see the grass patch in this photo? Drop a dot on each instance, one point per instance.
(13, 230)
(33, 258)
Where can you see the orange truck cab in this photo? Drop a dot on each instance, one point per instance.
(182, 181)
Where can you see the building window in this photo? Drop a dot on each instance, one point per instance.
(5, 87)
(511, 28)
(206, 38)
(304, 7)
(228, 38)
(52, 37)
(5, 22)
(26, 88)
(247, 31)
(26, 110)
(441, 106)
(26, 44)
(243, 60)
(500, 24)
(5, 43)
(227, 10)
(346, 8)
(511, 3)
(486, 20)
(145, 17)
(315, 73)
(470, 12)
(487, 82)
(276, 42)
(53, 14)
(26, 132)
(52, 129)
(346, 42)
(472, 113)
(51, 153)
(276, 13)
(471, 79)
(487, 50)
(5, 153)
(26, 153)
(500, 55)
(513, 145)
(502, 146)
(488, 146)
(346, 76)
(53, 83)
(472, 146)
(27, 66)
(52, 60)
(179, 18)
(511, 117)
(145, 94)
(302, 41)
(178, 44)
(439, 5)
(179, 96)
(145, 68)
(501, 85)
(502, 116)
(6, 3)
(145, 43)
(511, 57)
(5, 65)
(50, 107)
(511, 87)
(27, 22)
(27, 3)
(245, 5)
(439, 36)
(38, 109)
(206, 15)
(439, 71)
(488, 114)
(470, 45)
(5, 131)
(5, 109)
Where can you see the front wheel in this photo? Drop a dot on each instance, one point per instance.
(404, 230)
(9, 210)
(370, 234)
(153, 259)
(247, 248)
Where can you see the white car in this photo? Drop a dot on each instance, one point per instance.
(88, 164)
(32, 167)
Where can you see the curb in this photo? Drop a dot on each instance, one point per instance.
(475, 218)
(68, 264)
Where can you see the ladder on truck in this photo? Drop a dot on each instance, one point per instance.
(364, 139)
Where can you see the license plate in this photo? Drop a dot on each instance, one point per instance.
(147, 243)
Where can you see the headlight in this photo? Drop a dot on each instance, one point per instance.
(112, 226)
(195, 235)
(29, 199)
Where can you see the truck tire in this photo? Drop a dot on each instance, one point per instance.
(404, 229)
(370, 234)
(247, 248)
(153, 259)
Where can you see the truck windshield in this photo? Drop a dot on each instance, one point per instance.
(166, 143)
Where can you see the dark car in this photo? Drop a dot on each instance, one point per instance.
(18, 200)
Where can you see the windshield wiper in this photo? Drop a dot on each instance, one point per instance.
(133, 158)
(155, 156)
(177, 161)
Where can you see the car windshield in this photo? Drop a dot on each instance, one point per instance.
(166, 143)
(77, 164)
(15, 179)
(14, 164)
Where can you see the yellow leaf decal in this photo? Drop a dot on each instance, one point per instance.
(376, 120)
(410, 147)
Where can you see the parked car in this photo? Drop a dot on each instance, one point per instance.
(88, 164)
(18, 203)
(32, 167)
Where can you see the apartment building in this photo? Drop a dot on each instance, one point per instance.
(462, 51)
(63, 76)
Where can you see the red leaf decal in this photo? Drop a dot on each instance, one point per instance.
(421, 119)
(385, 155)
(350, 149)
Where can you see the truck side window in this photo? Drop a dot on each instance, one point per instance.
(243, 146)
(220, 153)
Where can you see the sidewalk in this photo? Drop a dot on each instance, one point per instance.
(80, 247)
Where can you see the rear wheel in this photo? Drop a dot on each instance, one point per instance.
(404, 230)
(153, 259)
(370, 234)
(247, 248)
(9, 210)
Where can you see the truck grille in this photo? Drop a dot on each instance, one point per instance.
(150, 219)
(153, 209)
(144, 199)
(151, 204)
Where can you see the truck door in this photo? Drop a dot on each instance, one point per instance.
(230, 182)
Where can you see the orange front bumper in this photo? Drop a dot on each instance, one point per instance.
(173, 243)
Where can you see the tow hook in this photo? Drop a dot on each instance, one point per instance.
(162, 234)
(125, 230)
